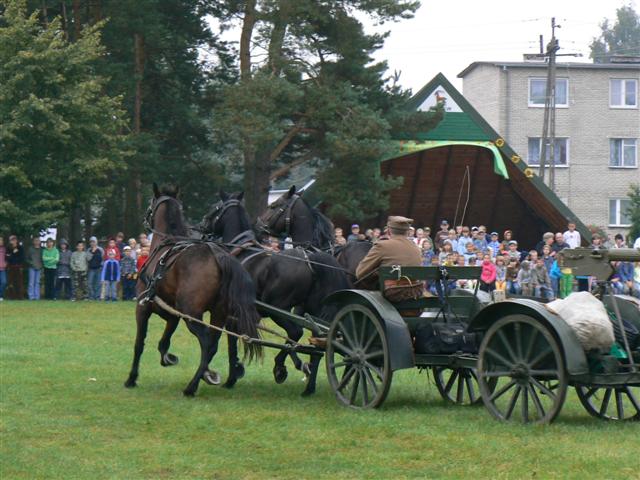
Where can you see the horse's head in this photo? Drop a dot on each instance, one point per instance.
(164, 214)
(227, 218)
(277, 219)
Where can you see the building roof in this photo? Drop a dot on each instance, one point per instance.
(565, 65)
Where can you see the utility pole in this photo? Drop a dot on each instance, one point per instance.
(549, 126)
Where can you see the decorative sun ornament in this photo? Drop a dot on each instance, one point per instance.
(515, 158)
(528, 173)
(499, 143)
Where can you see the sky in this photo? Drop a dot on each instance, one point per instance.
(446, 36)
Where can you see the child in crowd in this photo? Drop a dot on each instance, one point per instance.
(501, 273)
(79, 269)
(112, 246)
(525, 279)
(494, 244)
(34, 262)
(142, 258)
(339, 237)
(513, 286)
(94, 256)
(513, 252)
(128, 274)
(541, 280)
(479, 240)
(110, 277)
(427, 252)
(488, 275)
(470, 254)
(453, 238)
(463, 240)
(63, 285)
(50, 257)
(624, 273)
(446, 251)
(134, 248)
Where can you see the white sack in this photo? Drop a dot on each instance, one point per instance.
(586, 315)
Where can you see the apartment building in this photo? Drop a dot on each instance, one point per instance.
(597, 128)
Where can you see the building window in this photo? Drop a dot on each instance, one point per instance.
(619, 212)
(561, 152)
(623, 93)
(538, 92)
(623, 152)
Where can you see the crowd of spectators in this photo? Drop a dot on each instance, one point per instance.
(505, 266)
(89, 272)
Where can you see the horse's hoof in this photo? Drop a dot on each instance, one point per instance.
(230, 383)
(189, 393)
(130, 383)
(211, 377)
(238, 369)
(306, 369)
(168, 360)
(280, 374)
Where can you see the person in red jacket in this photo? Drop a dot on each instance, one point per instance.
(112, 247)
(142, 258)
(488, 275)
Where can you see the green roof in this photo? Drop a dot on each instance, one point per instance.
(455, 126)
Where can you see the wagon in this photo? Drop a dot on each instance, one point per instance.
(526, 362)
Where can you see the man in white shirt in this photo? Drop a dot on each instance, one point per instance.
(572, 236)
(637, 243)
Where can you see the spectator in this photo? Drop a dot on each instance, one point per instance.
(50, 257)
(507, 236)
(494, 244)
(15, 268)
(134, 248)
(419, 238)
(636, 244)
(120, 243)
(479, 240)
(427, 252)
(464, 283)
(541, 280)
(470, 255)
(636, 278)
(142, 258)
(442, 234)
(533, 256)
(555, 273)
(513, 286)
(112, 247)
(142, 240)
(525, 279)
(446, 251)
(618, 241)
(547, 239)
(624, 273)
(376, 235)
(128, 274)
(368, 234)
(3, 268)
(558, 244)
(338, 237)
(453, 238)
(94, 256)
(110, 277)
(513, 252)
(463, 240)
(572, 236)
(459, 230)
(501, 274)
(34, 263)
(64, 272)
(79, 269)
(355, 233)
(488, 275)
(565, 286)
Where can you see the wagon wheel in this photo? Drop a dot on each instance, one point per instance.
(459, 385)
(611, 403)
(525, 358)
(357, 358)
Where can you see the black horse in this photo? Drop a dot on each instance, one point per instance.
(196, 277)
(291, 279)
(292, 216)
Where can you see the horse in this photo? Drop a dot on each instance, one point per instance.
(292, 216)
(291, 279)
(199, 277)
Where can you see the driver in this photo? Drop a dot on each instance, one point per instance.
(397, 249)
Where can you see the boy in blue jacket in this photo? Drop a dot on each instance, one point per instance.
(110, 277)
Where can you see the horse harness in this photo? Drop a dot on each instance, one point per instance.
(286, 210)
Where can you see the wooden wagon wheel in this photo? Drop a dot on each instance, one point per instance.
(522, 354)
(459, 385)
(357, 358)
(611, 403)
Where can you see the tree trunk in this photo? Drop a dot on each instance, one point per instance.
(76, 19)
(257, 169)
(88, 221)
(248, 24)
(75, 226)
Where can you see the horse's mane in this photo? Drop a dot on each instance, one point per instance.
(322, 234)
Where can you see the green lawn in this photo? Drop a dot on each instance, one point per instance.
(65, 414)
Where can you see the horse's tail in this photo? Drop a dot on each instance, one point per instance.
(239, 293)
(328, 279)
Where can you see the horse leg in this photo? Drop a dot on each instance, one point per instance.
(313, 375)
(207, 351)
(143, 312)
(168, 359)
(280, 373)
(236, 368)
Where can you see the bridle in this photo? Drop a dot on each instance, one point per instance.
(151, 212)
(207, 226)
(267, 225)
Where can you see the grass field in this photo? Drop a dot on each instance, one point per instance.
(65, 414)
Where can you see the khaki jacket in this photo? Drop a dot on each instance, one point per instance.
(395, 251)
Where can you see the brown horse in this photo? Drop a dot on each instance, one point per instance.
(199, 278)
